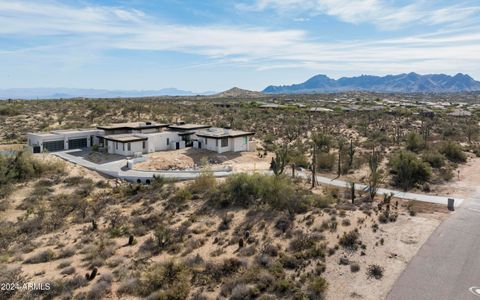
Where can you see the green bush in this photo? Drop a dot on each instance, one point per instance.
(204, 183)
(279, 192)
(408, 170)
(23, 167)
(318, 287)
(326, 161)
(414, 142)
(434, 158)
(452, 151)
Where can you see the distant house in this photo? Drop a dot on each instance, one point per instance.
(320, 109)
(130, 139)
(427, 113)
(460, 113)
(271, 106)
(223, 104)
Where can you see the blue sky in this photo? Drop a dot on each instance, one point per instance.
(214, 45)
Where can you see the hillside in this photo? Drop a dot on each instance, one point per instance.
(402, 83)
(238, 92)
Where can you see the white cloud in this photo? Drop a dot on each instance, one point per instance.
(381, 13)
(72, 34)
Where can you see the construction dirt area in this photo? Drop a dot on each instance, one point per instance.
(190, 158)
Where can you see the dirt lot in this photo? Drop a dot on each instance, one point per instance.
(190, 158)
(465, 182)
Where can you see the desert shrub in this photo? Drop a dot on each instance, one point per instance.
(354, 267)
(318, 287)
(326, 161)
(66, 252)
(204, 183)
(64, 264)
(375, 271)
(414, 142)
(408, 170)
(349, 240)
(434, 158)
(346, 222)
(99, 290)
(452, 151)
(23, 167)
(290, 262)
(245, 190)
(182, 195)
(446, 173)
(322, 201)
(7, 110)
(41, 257)
(241, 292)
(67, 271)
(168, 280)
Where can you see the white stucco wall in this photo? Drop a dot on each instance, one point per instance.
(122, 149)
(236, 144)
(158, 141)
(240, 143)
(34, 139)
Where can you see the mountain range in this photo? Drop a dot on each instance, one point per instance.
(56, 93)
(402, 83)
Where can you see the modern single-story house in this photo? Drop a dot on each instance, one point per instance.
(62, 140)
(136, 138)
(223, 140)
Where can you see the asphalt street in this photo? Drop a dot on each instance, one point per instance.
(448, 264)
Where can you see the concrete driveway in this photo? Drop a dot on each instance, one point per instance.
(116, 169)
(448, 264)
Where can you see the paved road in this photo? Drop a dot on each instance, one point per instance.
(448, 264)
(381, 191)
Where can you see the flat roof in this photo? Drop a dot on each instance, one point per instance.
(81, 130)
(125, 138)
(45, 134)
(132, 125)
(218, 133)
(188, 126)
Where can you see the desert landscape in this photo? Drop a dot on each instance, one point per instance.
(240, 150)
(250, 235)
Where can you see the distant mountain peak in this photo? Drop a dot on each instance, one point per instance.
(402, 83)
(238, 92)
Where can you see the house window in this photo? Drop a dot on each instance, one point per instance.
(144, 145)
(123, 146)
(224, 142)
(116, 145)
(129, 147)
(206, 141)
(245, 139)
(168, 141)
(216, 143)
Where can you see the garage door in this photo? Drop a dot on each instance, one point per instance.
(54, 146)
(77, 143)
